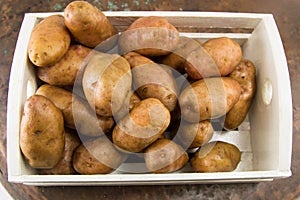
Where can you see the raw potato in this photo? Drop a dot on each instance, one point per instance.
(149, 36)
(106, 83)
(97, 156)
(218, 57)
(42, 132)
(88, 25)
(64, 72)
(145, 124)
(82, 118)
(152, 81)
(49, 41)
(216, 157)
(245, 74)
(209, 98)
(165, 156)
(65, 165)
(132, 99)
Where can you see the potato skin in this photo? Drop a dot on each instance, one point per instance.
(97, 156)
(88, 25)
(145, 124)
(216, 157)
(245, 75)
(41, 133)
(106, 83)
(152, 81)
(209, 98)
(165, 156)
(64, 72)
(65, 165)
(132, 99)
(218, 57)
(149, 36)
(82, 118)
(49, 41)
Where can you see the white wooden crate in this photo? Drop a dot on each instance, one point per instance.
(265, 138)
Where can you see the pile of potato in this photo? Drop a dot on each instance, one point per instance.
(93, 109)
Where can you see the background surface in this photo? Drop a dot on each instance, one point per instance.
(287, 17)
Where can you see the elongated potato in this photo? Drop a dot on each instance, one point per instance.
(149, 36)
(49, 41)
(216, 157)
(88, 25)
(77, 113)
(97, 156)
(145, 124)
(106, 83)
(65, 164)
(209, 98)
(64, 72)
(152, 81)
(42, 132)
(165, 156)
(245, 74)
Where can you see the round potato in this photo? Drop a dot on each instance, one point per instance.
(77, 113)
(145, 124)
(209, 98)
(165, 156)
(42, 132)
(149, 36)
(152, 81)
(49, 41)
(64, 72)
(88, 25)
(97, 156)
(245, 75)
(65, 165)
(216, 157)
(106, 83)
(217, 57)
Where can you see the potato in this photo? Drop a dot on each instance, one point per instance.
(149, 36)
(152, 81)
(165, 156)
(209, 98)
(146, 122)
(218, 57)
(41, 132)
(216, 157)
(97, 156)
(49, 41)
(77, 113)
(193, 135)
(88, 25)
(65, 165)
(106, 83)
(245, 74)
(64, 72)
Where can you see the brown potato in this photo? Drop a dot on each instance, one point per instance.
(152, 81)
(97, 156)
(165, 156)
(245, 74)
(64, 72)
(49, 41)
(106, 83)
(77, 113)
(209, 98)
(65, 165)
(218, 57)
(216, 157)
(149, 36)
(145, 124)
(88, 25)
(42, 132)
(132, 99)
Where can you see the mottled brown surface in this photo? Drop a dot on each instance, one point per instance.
(287, 16)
